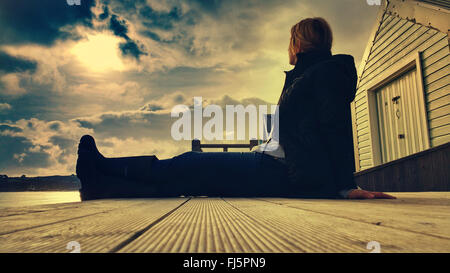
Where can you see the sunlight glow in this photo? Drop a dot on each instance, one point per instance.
(100, 53)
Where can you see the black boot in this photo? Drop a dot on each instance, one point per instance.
(101, 177)
(88, 155)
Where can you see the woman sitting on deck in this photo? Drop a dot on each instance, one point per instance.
(314, 151)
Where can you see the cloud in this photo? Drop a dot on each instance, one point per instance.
(130, 146)
(11, 128)
(228, 100)
(17, 154)
(160, 19)
(118, 26)
(152, 120)
(51, 63)
(37, 147)
(105, 13)
(11, 85)
(125, 93)
(165, 103)
(10, 64)
(41, 22)
(129, 47)
(137, 124)
(4, 107)
(13, 70)
(233, 33)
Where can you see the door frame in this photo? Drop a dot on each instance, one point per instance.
(412, 61)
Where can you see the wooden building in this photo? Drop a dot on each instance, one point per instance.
(401, 113)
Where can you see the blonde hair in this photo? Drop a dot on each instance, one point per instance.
(309, 34)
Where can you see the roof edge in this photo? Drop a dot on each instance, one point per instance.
(373, 34)
(424, 13)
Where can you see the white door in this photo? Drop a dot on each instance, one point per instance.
(401, 120)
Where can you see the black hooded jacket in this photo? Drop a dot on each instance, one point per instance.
(315, 123)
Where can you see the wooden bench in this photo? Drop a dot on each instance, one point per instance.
(197, 145)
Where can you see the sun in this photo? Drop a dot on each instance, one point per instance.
(99, 53)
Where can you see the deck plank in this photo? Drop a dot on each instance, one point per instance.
(251, 225)
(424, 212)
(101, 232)
(23, 218)
(337, 234)
(208, 225)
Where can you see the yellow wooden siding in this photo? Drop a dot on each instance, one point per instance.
(396, 40)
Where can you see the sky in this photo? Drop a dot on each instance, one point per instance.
(115, 69)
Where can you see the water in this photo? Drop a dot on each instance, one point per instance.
(33, 198)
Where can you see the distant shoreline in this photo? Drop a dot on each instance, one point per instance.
(40, 183)
(37, 190)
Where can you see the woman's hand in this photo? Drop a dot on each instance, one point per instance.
(362, 194)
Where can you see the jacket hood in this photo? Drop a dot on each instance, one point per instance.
(346, 73)
(349, 75)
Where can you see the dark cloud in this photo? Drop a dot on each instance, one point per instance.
(174, 22)
(238, 23)
(228, 100)
(152, 35)
(41, 21)
(118, 26)
(148, 121)
(135, 124)
(16, 155)
(188, 78)
(29, 145)
(55, 125)
(39, 102)
(105, 14)
(10, 64)
(124, 6)
(211, 6)
(151, 107)
(158, 19)
(62, 142)
(67, 146)
(149, 20)
(129, 47)
(4, 127)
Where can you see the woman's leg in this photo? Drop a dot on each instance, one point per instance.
(191, 173)
(220, 174)
(112, 177)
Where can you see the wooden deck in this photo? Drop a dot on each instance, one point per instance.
(415, 222)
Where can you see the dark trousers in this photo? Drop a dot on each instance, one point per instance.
(191, 174)
(237, 174)
(220, 174)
